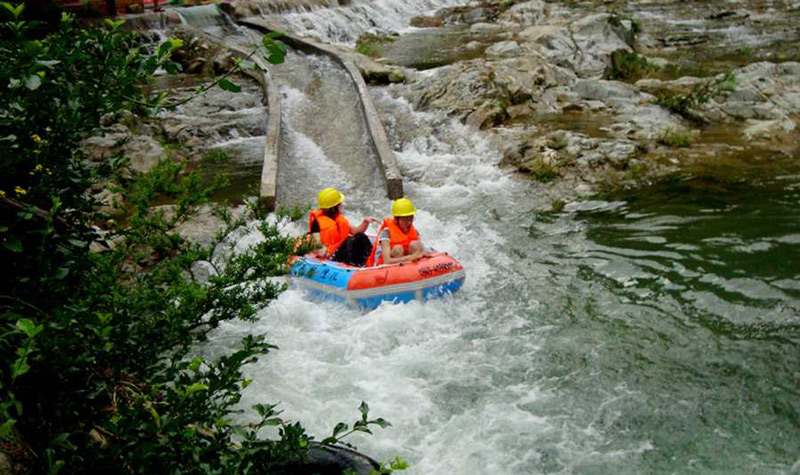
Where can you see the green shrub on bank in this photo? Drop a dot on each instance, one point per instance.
(97, 373)
(675, 139)
(686, 104)
(629, 66)
(368, 44)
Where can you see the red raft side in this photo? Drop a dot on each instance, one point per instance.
(434, 265)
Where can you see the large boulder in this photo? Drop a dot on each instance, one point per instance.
(584, 46)
(426, 22)
(526, 14)
(486, 89)
(374, 72)
(503, 49)
(769, 129)
(605, 91)
(763, 92)
(564, 151)
(142, 151)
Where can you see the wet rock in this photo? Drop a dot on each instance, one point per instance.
(487, 116)
(763, 92)
(643, 122)
(426, 22)
(474, 88)
(203, 271)
(135, 8)
(503, 49)
(683, 39)
(110, 202)
(527, 13)
(143, 151)
(585, 46)
(202, 227)
(768, 129)
(105, 146)
(730, 15)
(485, 28)
(567, 152)
(603, 90)
(466, 14)
(374, 72)
(104, 244)
(217, 116)
(682, 85)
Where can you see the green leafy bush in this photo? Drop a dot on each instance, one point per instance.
(676, 139)
(629, 66)
(369, 44)
(686, 104)
(97, 329)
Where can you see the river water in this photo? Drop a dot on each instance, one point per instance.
(655, 332)
(652, 332)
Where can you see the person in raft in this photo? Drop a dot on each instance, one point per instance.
(331, 231)
(398, 241)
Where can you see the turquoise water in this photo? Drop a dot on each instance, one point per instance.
(674, 322)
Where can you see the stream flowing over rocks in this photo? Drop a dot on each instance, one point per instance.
(707, 80)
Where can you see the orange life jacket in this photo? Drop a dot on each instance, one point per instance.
(332, 232)
(396, 237)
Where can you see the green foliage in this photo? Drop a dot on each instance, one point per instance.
(557, 141)
(97, 371)
(540, 169)
(216, 156)
(629, 66)
(675, 139)
(295, 213)
(369, 44)
(386, 468)
(276, 50)
(686, 104)
(342, 430)
(617, 19)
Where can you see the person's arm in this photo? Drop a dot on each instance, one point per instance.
(386, 252)
(364, 225)
(316, 240)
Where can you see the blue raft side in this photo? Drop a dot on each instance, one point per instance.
(337, 276)
(403, 297)
(325, 273)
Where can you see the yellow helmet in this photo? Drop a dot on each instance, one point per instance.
(403, 207)
(329, 197)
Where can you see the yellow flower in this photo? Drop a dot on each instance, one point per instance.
(2, 194)
(36, 138)
(19, 190)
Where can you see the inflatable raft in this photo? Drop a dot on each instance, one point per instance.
(432, 276)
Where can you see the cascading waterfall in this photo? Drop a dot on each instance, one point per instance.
(346, 24)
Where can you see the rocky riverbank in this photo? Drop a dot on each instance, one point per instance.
(219, 133)
(602, 96)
